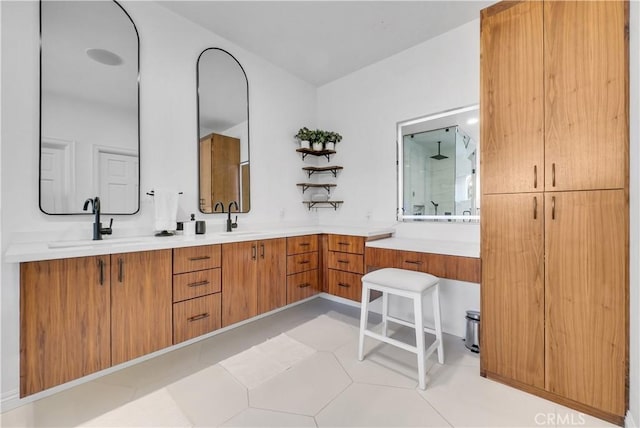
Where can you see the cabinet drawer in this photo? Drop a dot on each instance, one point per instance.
(302, 262)
(190, 259)
(412, 260)
(346, 244)
(345, 284)
(195, 317)
(346, 262)
(302, 244)
(302, 285)
(196, 284)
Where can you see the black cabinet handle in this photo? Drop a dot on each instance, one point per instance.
(344, 243)
(197, 284)
(343, 261)
(254, 252)
(342, 284)
(198, 317)
(305, 285)
(412, 262)
(101, 271)
(304, 262)
(195, 259)
(262, 251)
(120, 269)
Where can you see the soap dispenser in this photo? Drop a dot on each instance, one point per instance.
(190, 226)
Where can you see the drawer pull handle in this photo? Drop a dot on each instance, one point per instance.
(535, 176)
(412, 262)
(304, 244)
(343, 261)
(344, 243)
(101, 273)
(342, 284)
(305, 285)
(304, 262)
(195, 259)
(198, 284)
(553, 175)
(198, 317)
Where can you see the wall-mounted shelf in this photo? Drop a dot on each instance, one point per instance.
(326, 153)
(320, 169)
(306, 186)
(322, 204)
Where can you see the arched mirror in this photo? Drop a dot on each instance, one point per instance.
(223, 130)
(438, 176)
(89, 107)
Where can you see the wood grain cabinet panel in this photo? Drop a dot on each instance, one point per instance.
(202, 257)
(345, 284)
(376, 258)
(586, 297)
(65, 321)
(346, 262)
(302, 285)
(196, 284)
(272, 274)
(346, 244)
(195, 317)
(302, 262)
(141, 304)
(302, 244)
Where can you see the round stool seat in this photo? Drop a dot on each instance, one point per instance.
(401, 279)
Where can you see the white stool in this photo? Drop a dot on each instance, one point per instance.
(413, 285)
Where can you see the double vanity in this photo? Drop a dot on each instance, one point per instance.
(86, 306)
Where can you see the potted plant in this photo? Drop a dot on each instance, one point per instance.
(331, 139)
(304, 135)
(317, 139)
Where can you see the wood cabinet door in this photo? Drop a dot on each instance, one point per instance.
(239, 281)
(272, 274)
(64, 321)
(511, 98)
(586, 103)
(225, 169)
(586, 297)
(141, 303)
(512, 288)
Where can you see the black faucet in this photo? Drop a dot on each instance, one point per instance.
(98, 230)
(230, 225)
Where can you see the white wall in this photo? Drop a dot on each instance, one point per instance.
(279, 103)
(364, 107)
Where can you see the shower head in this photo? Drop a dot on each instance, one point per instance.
(439, 156)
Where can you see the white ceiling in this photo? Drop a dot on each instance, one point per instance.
(320, 41)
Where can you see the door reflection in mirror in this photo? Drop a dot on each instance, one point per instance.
(223, 131)
(88, 100)
(438, 167)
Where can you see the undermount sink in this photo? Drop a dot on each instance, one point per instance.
(91, 244)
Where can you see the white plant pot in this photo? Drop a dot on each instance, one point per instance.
(330, 145)
(305, 144)
(317, 147)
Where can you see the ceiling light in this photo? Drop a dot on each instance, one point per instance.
(104, 56)
(472, 121)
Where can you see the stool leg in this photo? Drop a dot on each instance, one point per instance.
(438, 322)
(385, 313)
(419, 321)
(364, 315)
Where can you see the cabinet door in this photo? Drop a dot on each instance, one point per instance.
(225, 169)
(512, 291)
(239, 276)
(64, 321)
(586, 297)
(141, 299)
(272, 274)
(586, 84)
(511, 100)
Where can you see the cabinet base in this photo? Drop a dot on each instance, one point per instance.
(609, 417)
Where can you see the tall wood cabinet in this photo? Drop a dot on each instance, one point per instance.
(554, 224)
(220, 171)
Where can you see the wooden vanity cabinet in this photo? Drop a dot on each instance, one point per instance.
(82, 315)
(345, 266)
(253, 278)
(65, 321)
(554, 224)
(219, 171)
(302, 267)
(197, 286)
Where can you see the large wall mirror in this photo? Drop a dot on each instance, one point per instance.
(223, 131)
(89, 107)
(438, 167)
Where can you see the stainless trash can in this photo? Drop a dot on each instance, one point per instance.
(472, 337)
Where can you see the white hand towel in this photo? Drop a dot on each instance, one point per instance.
(165, 202)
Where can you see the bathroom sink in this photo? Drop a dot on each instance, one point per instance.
(94, 244)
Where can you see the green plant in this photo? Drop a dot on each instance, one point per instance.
(318, 135)
(333, 137)
(303, 134)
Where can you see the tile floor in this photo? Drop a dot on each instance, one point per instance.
(328, 387)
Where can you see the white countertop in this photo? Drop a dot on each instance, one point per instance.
(25, 252)
(452, 248)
